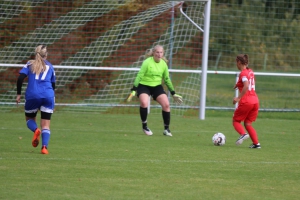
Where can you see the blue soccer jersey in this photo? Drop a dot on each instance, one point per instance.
(39, 86)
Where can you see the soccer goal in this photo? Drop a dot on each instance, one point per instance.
(98, 46)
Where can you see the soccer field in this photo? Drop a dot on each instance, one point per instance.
(106, 156)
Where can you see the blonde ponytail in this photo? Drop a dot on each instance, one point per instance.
(38, 65)
(151, 52)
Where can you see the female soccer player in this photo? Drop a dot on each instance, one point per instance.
(248, 102)
(39, 95)
(148, 82)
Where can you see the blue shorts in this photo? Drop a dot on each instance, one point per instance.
(45, 105)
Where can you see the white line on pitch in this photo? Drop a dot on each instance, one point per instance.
(156, 161)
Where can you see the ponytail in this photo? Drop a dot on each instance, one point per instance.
(38, 65)
(152, 50)
(243, 58)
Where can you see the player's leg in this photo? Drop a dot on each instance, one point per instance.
(31, 109)
(143, 94)
(46, 113)
(239, 115)
(248, 125)
(161, 97)
(45, 124)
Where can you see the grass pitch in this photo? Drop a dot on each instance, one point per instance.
(96, 156)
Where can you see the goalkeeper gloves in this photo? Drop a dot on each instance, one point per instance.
(177, 98)
(132, 94)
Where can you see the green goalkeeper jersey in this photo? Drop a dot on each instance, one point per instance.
(152, 74)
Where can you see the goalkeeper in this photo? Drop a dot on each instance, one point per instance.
(148, 82)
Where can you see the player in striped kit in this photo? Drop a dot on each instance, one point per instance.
(248, 103)
(39, 95)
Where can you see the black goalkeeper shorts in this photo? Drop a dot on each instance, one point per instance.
(151, 91)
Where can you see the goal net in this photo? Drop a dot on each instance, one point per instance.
(97, 48)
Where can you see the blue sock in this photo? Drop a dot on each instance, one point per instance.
(45, 137)
(31, 124)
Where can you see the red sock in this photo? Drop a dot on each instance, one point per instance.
(252, 133)
(239, 128)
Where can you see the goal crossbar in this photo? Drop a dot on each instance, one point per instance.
(170, 70)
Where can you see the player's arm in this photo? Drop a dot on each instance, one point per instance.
(137, 80)
(141, 73)
(168, 81)
(53, 79)
(19, 86)
(177, 98)
(243, 92)
(53, 85)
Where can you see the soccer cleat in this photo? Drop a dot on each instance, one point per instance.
(147, 131)
(44, 150)
(242, 138)
(255, 146)
(36, 137)
(167, 132)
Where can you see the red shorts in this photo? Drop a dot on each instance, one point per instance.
(246, 112)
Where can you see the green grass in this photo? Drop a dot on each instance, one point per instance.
(96, 156)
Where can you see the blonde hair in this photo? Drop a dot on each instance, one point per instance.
(38, 65)
(151, 52)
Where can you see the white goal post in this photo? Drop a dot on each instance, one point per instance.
(204, 59)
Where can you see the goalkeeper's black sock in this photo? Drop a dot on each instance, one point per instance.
(166, 117)
(144, 124)
(143, 114)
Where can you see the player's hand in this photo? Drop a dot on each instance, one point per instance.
(177, 98)
(235, 100)
(132, 94)
(18, 99)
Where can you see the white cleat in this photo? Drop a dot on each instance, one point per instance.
(167, 132)
(242, 138)
(147, 131)
(255, 146)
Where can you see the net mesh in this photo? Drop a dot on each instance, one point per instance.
(11, 9)
(87, 38)
(118, 89)
(106, 34)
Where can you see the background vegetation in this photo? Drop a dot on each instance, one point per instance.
(266, 30)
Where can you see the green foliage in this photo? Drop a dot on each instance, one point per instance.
(93, 156)
(269, 36)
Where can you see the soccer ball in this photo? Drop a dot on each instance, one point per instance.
(219, 139)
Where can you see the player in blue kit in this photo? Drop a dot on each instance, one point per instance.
(39, 95)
